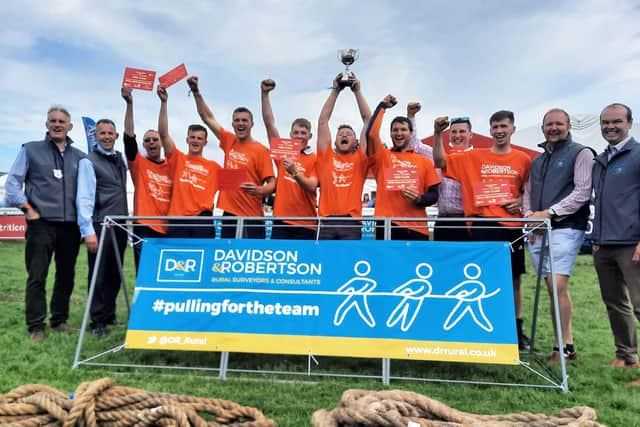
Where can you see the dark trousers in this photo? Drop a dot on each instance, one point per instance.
(193, 228)
(283, 230)
(44, 238)
(493, 231)
(339, 229)
(253, 228)
(451, 231)
(619, 279)
(103, 304)
(143, 232)
(399, 233)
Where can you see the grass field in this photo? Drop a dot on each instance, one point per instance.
(291, 400)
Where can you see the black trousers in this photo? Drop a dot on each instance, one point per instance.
(283, 230)
(193, 228)
(253, 228)
(103, 303)
(143, 232)
(44, 238)
(339, 229)
(451, 231)
(399, 233)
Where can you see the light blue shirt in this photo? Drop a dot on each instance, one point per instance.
(86, 192)
(15, 180)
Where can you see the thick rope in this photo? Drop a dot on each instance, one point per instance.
(396, 408)
(105, 404)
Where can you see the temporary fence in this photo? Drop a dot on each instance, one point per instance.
(479, 325)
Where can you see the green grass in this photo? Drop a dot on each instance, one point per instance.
(291, 400)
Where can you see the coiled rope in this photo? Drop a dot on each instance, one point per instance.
(103, 403)
(395, 408)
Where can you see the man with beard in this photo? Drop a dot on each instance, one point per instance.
(616, 230)
(559, 188)
(410, 201)
(297, 180)
(240, 152)
(151, 177)
(342, 173)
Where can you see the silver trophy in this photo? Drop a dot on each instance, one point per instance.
(347, 57)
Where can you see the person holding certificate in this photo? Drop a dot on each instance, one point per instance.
(297, 181)
(492, 182)
(407, 182)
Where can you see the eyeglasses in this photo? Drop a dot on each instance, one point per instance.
(149, 139)
(464, 119)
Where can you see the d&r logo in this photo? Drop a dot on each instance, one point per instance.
(180, 265)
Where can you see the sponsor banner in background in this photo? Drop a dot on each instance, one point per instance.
(12, 227)
(90, 132)
(449, 301)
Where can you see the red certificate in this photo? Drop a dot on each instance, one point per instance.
(138, 79)
(282, 148)
(230, 179)
(173, 76)
(399, 179)
(492, 192)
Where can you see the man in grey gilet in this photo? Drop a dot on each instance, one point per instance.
(48, 171)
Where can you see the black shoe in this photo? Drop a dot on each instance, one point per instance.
(99, 331)
(523, 342)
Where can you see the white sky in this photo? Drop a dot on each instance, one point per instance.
(456, 58)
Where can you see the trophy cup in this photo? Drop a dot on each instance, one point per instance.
(347, 57)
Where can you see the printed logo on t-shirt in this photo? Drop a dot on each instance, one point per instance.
(237, 159)
(194, 174)
(402, 164)
(158, 186)
(489, 169)
(342, 173)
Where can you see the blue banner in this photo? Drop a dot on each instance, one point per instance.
(90, 132)
(414, 300)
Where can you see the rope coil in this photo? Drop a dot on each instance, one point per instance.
(103, 403)
(396, 408)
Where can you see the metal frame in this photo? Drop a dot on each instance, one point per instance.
(539, 225)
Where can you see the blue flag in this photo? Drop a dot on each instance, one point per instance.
(90, 132)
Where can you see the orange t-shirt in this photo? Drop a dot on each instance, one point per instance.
(480, 166)
(195, 183)
(291, 198)
(391, 203)
(152, 196)
(252, 156)
(341, 178)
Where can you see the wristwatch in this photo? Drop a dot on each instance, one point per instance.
(552, 212)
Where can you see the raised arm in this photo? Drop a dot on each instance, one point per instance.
(324, 133)
(163, 123)
(267, 113)
(130, 145)
(128, 114)
(439, 125)
(203, 109)
(365, 111)
(373, 128)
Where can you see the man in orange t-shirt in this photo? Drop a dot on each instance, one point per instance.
(400, 162)
(194, 178)
(151, 178)
(240, 152)
(342, 173)
(492, 182)
(297, 180)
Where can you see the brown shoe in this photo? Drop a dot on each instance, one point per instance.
(37, 336)
(635, 383)
(634, 365)
(64, 327)
(553, 358)
(618, 363)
